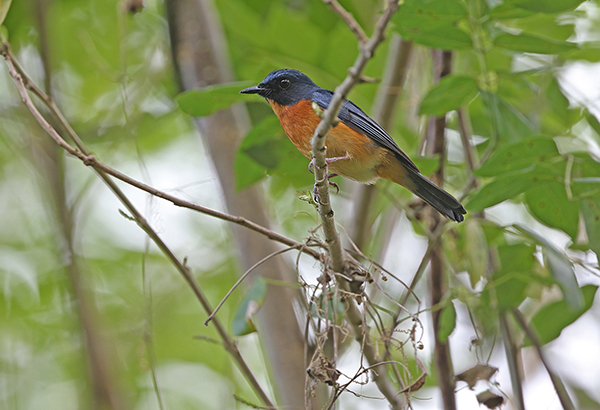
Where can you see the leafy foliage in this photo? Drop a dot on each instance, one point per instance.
(533, 227)
(208, 100)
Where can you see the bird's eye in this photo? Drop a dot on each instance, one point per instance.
(285, 83)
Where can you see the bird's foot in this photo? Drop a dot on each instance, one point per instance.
(333, 184)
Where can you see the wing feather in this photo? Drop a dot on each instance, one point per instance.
(355, 118)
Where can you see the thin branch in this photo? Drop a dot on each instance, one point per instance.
(329, 118)
(436, 144)
(561, 391)
(92, 161)
(360, 373)
(338, 256)
(513, 358)
(228, 342)
(241, 279)
(433, 240)
(348, 19)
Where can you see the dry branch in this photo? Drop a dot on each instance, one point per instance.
(559, 386)
(90, 160)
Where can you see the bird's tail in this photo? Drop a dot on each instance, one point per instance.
(435, 196)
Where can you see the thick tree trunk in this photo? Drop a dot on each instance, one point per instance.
(199, 54)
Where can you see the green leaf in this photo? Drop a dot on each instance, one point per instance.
(507, 186)
(549, 203)
(429, 13)
(208, 100)
(547, 6)
(592, 121)
(558, 117)
(427, 165)
(433, 23)
(515, 273)
(444, 38)
(496, 191)
(544, 25)
(560, 268)
(476, 248)
(518, 155)
(242, 320)
(584, 176)
(262, 149)
(4, 6)
(587, 52)
(447, 322)
(264, 142)
(507, 10)
(505, 120)
(528, 43)
(550, 320)
(449, 94)
(247, 171)
(269, 150)
(590, 209)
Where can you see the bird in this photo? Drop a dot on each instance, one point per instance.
(357, 147)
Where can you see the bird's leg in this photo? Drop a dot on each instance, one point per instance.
(331, 160)
(329, 175)
(328, 161)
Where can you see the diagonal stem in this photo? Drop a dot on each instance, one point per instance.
(92, 161)
(228, 342)
(559, 386)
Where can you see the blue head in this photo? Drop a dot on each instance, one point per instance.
(285, 87)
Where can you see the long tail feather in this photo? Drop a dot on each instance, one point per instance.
(439, 199)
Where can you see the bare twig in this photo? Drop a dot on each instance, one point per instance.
(329, 118)
(561, 391)
(513, 358)
(228, 342)
(433, 240)
(241, 279)
(348, 19)
(341, 389)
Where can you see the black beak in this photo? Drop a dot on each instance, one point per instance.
(252, 90)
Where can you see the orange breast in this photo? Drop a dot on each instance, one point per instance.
(299, 122)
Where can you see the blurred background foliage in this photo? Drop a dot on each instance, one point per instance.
(517, 72)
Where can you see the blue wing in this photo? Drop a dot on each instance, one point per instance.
(355, 118)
